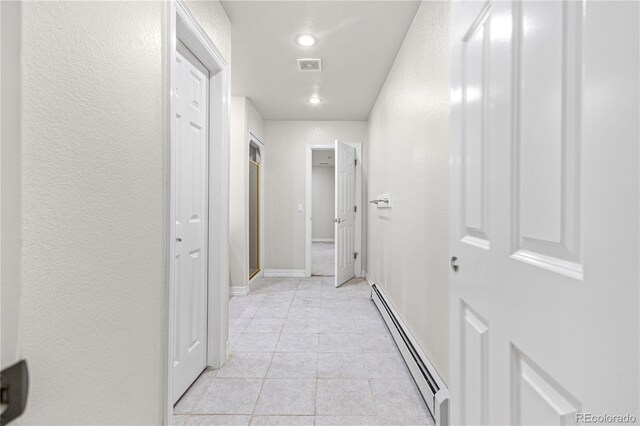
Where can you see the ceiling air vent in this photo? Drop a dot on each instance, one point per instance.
(309, 64)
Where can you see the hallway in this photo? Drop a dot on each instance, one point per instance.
(184, 182)
(305, 353)
(322, 258)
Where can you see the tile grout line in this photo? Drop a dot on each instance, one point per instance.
(261, 388)
(325, 302)
(203, 392)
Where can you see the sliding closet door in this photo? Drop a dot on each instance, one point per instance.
(254, 218)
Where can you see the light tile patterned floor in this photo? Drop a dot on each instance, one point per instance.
(323, 258)
(306, 353)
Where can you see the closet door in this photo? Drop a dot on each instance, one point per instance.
(189, 270)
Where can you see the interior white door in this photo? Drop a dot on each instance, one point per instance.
(345, 218)
(189, 202)
(545, 211)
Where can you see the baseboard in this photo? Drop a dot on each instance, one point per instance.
(239, 290)
(433, 389)
(284, 273)
(323, 240)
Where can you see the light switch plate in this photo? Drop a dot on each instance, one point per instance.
(299, 207)
(386, 196)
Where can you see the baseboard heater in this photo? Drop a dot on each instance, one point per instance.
(433, 389)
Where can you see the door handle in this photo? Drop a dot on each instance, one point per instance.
(454, 264)
(14, 391)
(338, 220)
(178, 240)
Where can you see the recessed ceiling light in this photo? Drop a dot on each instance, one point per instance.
(314, 100)
(306, 40)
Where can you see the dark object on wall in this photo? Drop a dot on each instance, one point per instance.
(14, 388)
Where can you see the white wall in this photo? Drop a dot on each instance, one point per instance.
(10, 181)
(285, 182)
(255, 123)
(244, 117)
(93, 322)
(407, 155)
(238, 157)
(323, 202)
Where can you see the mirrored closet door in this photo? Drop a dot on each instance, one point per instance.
(254, 211)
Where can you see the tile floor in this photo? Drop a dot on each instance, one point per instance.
(322, 258)
(306, 353)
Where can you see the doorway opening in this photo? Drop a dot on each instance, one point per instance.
(339, 244)
(322, 212)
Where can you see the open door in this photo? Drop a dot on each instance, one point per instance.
(345, 218)
(544, 304)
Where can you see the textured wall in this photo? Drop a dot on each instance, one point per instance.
(285, 182)
(255, 123)
(323, 202)
(93, 191)
(215, 22)
(408, 246)
(238, 172)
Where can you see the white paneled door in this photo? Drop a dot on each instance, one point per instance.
(189, 203)
(345, 218)
(544, 285)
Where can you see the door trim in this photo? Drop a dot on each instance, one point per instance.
(180, 23)
(308, 204)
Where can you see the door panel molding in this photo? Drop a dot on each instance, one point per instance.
(475, 85)
(474, 367)
(536, 398)
(547, 103)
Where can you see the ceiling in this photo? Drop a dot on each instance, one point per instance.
(323, 158)
(357, 41)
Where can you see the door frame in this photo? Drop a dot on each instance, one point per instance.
(180, 23)
(309, 204)
(261, 203)
(10, 189)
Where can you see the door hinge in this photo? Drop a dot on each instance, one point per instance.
(355, 209)
(355, 254)
(355, 161)
(14, 391)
